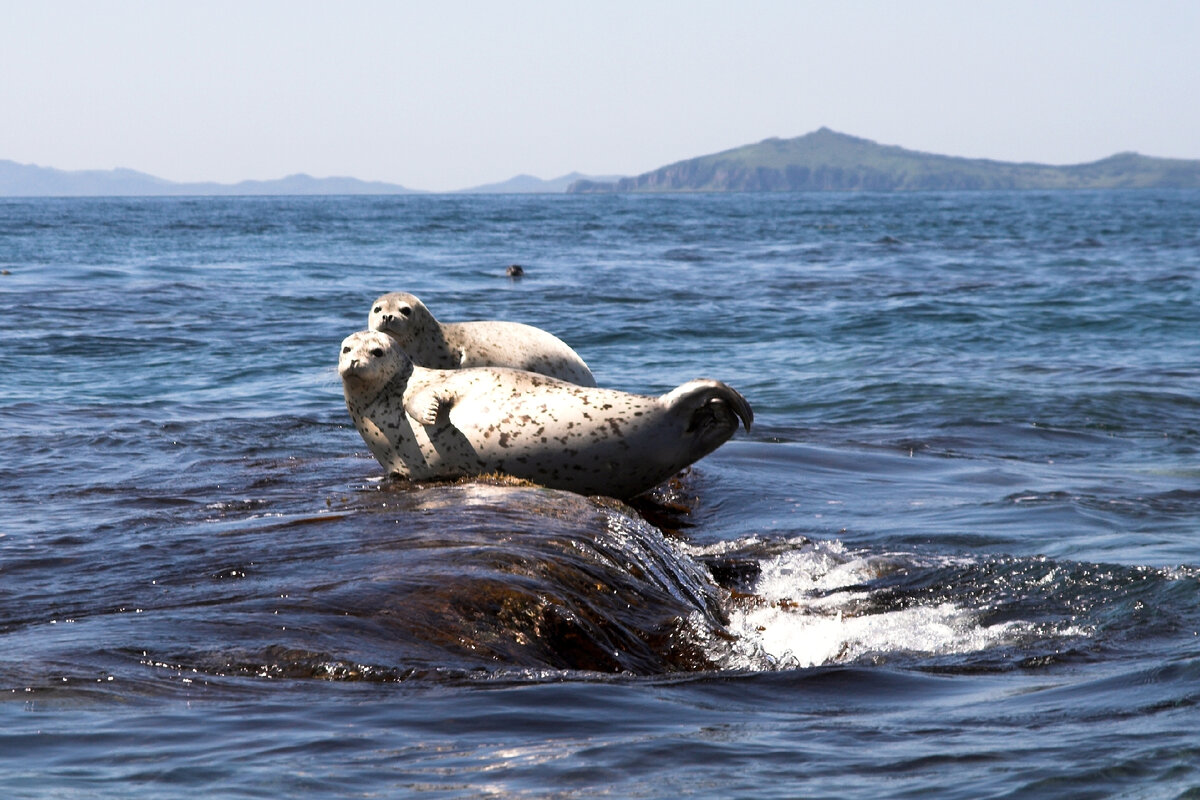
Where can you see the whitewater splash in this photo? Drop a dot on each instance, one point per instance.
(813, 604)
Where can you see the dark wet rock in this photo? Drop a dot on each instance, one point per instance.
(491, 575)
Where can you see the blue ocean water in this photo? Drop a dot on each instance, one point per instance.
(956, 556)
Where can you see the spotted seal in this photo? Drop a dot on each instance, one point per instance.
(434, 424)
(454, 345)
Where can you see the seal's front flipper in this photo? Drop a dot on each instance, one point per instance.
(425, 405)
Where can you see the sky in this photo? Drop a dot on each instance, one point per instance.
(455, 94)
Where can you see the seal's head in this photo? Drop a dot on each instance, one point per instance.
(369, 360)
(399, 314)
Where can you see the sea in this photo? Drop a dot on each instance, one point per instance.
(957, 555)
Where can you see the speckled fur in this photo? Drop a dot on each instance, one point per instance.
(455, 345)
(432, 424)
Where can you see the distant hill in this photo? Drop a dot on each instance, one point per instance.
(28, 180)
(528, 184)
(829, 161)
(823, 160)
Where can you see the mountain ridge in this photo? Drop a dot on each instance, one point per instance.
(826, 160)
(530, 184)
(31, 180)
(823, 160)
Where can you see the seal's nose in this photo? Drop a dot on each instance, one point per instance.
(387, 318)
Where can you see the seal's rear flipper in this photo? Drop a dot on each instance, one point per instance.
(711, 408)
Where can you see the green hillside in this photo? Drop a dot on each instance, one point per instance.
(829, 161)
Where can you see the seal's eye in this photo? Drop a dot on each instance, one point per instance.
(346, 349)
(405, 311)
(377, 309)
(377, 352)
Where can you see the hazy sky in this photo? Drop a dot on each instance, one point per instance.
(447, 95)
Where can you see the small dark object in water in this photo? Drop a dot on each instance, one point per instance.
(514, 271)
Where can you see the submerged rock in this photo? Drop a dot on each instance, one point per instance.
(495, 575)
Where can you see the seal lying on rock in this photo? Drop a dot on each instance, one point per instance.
(433, 424)
(454, 345)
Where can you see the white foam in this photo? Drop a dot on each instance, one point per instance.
(809, 607)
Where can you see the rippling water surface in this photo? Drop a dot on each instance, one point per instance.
(957, 555)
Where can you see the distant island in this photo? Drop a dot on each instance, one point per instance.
(29, 180)
(821, 161)
(528, 184)
(828, 161)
